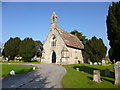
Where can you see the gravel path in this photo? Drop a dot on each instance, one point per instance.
(47, 76)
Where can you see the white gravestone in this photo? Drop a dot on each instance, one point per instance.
(12, 72)
(33, 68)
(90, 63)
(99, 63)
(95, 63)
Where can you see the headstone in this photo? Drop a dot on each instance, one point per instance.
(114, 61)
(90, 63)
(107, 61)
(7, 59)
(117, 73)
(96, 76)
(99, 63)
(95, 63)
(107, 72)
(33, 68)
(103, 63)
(77, 69)
(12, 72)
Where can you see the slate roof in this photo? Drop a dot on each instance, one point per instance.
(70, 40)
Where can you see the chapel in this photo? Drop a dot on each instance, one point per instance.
(61, 47)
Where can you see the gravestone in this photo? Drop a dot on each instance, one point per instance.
(96, 76)
(95, 63)
(107, 72)
(107, 61)
(117, 73)
(114, 61)
(12, 72)
(33, 68)
(77, 69)
(99, 63)
(103, 63)
(90, 63)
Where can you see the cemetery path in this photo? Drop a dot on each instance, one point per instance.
(47, 76)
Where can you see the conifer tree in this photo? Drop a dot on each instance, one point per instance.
(27, 49)
(11, 48)
(113, 31)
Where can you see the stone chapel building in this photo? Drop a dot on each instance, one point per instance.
(61, 47)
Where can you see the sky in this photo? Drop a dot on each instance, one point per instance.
(32, 19)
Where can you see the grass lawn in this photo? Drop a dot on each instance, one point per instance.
(17, 68)
(84, 77)
(34, 62)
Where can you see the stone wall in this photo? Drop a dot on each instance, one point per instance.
(75, 55)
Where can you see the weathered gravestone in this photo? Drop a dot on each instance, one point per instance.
(96, 76)
(107, 72)
(103, 63)
(77, 69)
(117, 73)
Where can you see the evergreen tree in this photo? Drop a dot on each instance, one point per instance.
(79, 35)
(113, 30)
(0, 52)
(27, 49)
(39, 47)
(11, 48)
(96, 50)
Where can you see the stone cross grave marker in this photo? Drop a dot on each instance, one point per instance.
(117, 73)
(96, 76)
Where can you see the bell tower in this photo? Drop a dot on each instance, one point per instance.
(54, 21)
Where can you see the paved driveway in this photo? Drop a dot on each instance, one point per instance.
(48, 76)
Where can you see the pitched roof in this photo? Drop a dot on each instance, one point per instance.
(70, 40)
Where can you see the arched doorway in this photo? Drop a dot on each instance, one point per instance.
(53, 57)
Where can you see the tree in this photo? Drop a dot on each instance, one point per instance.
(80, 36)
(11, 48)
(0, 52)
(113, 30)
(39, 47)
(27, 49)
(95, 49)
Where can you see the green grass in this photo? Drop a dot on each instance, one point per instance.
(84, 77)
(17, 68)
(34, 62)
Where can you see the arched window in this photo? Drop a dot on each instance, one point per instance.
(53, 41)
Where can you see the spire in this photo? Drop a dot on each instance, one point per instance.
(53, 20)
